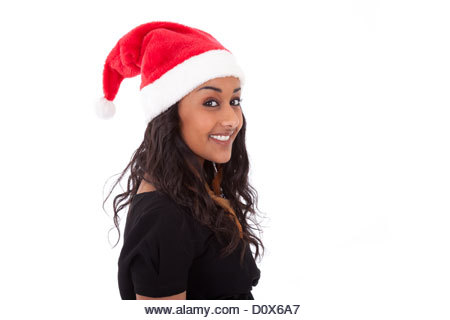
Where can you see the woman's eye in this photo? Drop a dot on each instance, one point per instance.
(206, 103)
(210, 101)
(239, 101)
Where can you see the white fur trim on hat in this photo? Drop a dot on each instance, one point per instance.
(104, 108)
(179, 81)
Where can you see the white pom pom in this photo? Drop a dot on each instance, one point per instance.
(104, 108)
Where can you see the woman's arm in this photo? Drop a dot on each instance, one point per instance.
(179, 296)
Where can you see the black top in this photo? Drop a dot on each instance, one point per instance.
(166, 251)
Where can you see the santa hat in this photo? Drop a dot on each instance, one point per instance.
(172, 59)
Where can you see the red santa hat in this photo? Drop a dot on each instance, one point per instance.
(172, 59)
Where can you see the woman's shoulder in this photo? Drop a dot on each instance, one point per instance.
(155, 218)
(149, 198)
(153, 204)
(155, 207)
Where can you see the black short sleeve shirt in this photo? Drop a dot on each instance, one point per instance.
(166, 251)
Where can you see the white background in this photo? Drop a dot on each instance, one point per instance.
(348, 134)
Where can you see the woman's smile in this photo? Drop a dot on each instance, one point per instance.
(222, 142)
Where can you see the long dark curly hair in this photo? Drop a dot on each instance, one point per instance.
(164, 160)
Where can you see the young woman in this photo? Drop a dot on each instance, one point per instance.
(187, 232)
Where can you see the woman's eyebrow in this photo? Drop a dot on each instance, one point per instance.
(217, 89)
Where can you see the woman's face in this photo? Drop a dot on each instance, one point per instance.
(213, 108)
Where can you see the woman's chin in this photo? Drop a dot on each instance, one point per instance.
(221, 159)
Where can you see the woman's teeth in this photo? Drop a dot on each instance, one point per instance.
(221, 138)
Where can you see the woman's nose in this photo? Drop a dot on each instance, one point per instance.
(229, 116)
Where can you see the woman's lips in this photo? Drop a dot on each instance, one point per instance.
(223, 143)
